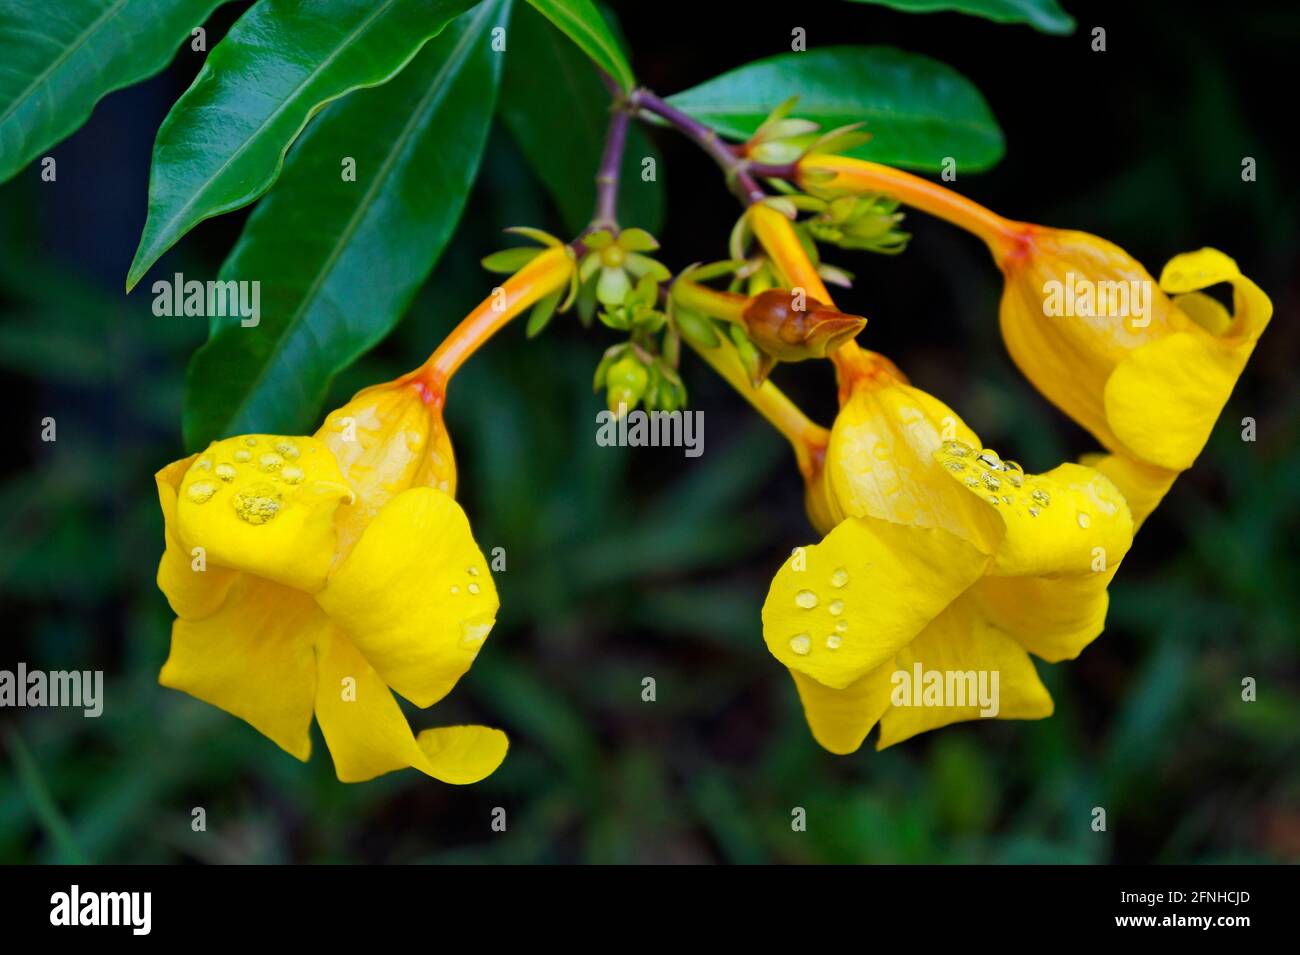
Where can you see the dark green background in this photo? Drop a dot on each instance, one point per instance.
(624, 564)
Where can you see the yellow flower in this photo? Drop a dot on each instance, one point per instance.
(317, 575)
(939, 557)
(1146, 373)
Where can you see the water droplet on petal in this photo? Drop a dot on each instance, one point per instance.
(840, 577)
(287, 448)
(472, 571)
(258, 503)
(959, 448)
(841, 625)
(990, 482)
(226, 472)
(473, 588)
(270, 462)
(203, 464)
(806, 599)
(801, 644)
(836, 608)
(955, 465)
(1084, 519)
(989, 459)
(1033, 512)
(1041, 497)
(251, 442)
(833, 642)
(993, 499)
(201, 491)
(292, 474)
(242, 455)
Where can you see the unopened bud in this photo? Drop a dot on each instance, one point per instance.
(788, 333)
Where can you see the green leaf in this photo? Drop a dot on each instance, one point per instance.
(918, 110)
(583, 24)
(59, 64)
(340, 261)
(223, 143)
(542, 313)
(557, 110)
(1044, 15)
(509, 261)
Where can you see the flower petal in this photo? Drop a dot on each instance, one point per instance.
(841, 719)
(265, 504)
(1066, 521)
(1052, 617)
(1162, 401)
(192, 593)
(960, 645)
(841, 608)
(1143, 485)
(253, 658)
(368, 735)
(414, 595)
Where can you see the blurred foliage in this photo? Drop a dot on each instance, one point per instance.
(626, 563)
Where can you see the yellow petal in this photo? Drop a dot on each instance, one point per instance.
(368, 735)
(1051, 617)
(841, 719)
(254, 658)
(959, 646)
(265, 506)
(192, 586)
(781, 242)
(1162, 401)
(880, 461)
(1143, 485)
(1066, 521)
(388, 438)
(839, 609)
(415, 595)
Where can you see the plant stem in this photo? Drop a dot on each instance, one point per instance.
(611, 162)
(738, 177)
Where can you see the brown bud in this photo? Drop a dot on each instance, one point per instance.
(792, 326)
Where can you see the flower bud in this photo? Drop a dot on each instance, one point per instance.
(625, 383)
(790, 326)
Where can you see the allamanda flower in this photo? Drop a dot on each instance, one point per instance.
(1146, 367)
(317, 575)
(939, 556)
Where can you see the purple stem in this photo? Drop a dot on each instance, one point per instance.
(738, 176)
(606, 215)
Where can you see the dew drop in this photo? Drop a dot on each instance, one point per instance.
(841, 625)
(472, 571)
(200, 492)
(1084, 519)
(833, 642)
(993, 499)
(203, 464)
(242, 455)
(1033, 512)
(840, 577)
(959, 448)
(1040, 497)
(454, 590)
(270, 462)
(251, 442)
(801, 644)
(226, 472)
(955, 465)
(292, 474)
(287, 448)
(972, 482)
(806, 599)
(990, 482)
(836, 608)
(473, 588)
(989, 460)
(258, 503)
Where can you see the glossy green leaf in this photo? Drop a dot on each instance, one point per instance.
(918, 110)
(224, 141)
(557, 110)
(338, 260)
(1044, 15)
(584, 25)
(58, 64)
